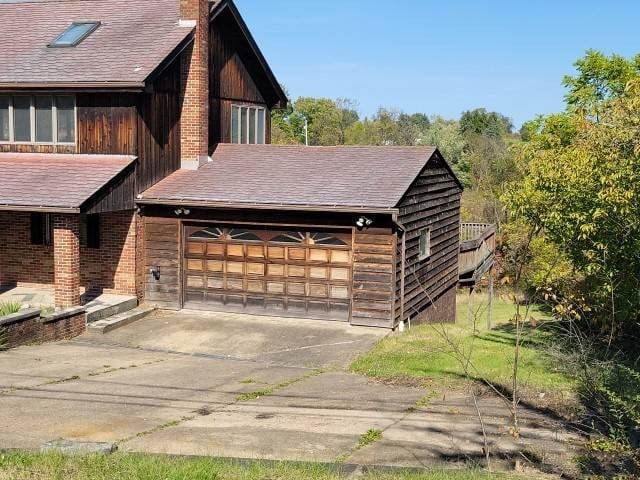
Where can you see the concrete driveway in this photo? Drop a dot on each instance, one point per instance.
(240, 386)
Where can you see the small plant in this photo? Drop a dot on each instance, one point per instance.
(370, 436)
(7, 308)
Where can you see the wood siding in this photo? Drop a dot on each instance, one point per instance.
(373, 277)
(116, 196)
(28, 148)
(432, 202)
(158, 146)
(230, 81)
(106, 123)
(162, 247)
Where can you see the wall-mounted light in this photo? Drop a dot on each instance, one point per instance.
(363, 222)
(155, 271)
(182, 211)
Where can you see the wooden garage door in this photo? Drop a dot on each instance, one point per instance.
(289, 273)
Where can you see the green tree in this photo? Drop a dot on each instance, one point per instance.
(599, 79)
(485, 123)
(582, 189)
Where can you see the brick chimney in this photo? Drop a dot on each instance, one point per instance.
(194, 77)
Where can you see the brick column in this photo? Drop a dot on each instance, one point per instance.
(66, 259)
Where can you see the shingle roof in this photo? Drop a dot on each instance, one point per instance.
(279, 175)
(134, 38)
(55, 181)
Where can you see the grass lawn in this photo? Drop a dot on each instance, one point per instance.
(120, 466)
(423, 353)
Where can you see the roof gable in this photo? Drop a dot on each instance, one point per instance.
(226, 17)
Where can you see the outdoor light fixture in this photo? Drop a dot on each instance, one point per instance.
(182, 211)
(363, 222)
(155, 271)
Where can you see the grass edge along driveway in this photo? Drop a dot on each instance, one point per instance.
(18, 465)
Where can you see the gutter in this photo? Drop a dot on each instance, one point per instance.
(133, 86)
(43, 209)
(266, 206)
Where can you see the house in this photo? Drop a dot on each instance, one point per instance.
(135, 159)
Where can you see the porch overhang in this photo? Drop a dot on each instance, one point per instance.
(66, 183)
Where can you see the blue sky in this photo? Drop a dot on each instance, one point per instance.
(438, 57)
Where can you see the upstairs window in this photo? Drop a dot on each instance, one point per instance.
(248, 125)
(425, 244)
(41, 119)
(74, 34)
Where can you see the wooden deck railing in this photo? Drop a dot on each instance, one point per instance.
(477, 246)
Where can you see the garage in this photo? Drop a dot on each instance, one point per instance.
(259, 270)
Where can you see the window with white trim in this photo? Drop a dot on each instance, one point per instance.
(248, 124)
(424, 244)
(38, 119)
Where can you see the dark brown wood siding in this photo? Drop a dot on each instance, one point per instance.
(162, 251)
(118, 195)
(26, 148)
(106, 123)
(158, 146)
(230, 81)
(432, 202)
(373, 277)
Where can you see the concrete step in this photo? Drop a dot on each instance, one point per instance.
(109, 305)
(120, 320)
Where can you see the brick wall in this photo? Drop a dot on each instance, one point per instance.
(194, 91)
(31, 328)
(112, 267)
(109, 269)
(20, 262)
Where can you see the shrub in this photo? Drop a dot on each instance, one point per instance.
(7, 308)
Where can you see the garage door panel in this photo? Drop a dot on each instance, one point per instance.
(316, 255)
(215, 283)
(215, 249)
(235, 250)
(293, 273)
(196, 248)
(256, 269)
(215, 266)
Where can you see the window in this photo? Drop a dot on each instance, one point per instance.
(425, 244)
(22, 119)
(74, 34)
(90, 231)
(248, 125)
(44, 119)
(5, 119)
(41, 119)
(41, 229)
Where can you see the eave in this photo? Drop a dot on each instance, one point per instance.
(268, 206)
(89, 86)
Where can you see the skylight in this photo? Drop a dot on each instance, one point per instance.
(74, 34)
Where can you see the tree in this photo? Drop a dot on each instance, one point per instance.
(348, 117)
(599, 79)
(485, 123)
(582, 189)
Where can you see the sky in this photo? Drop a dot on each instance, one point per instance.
(438, 57)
